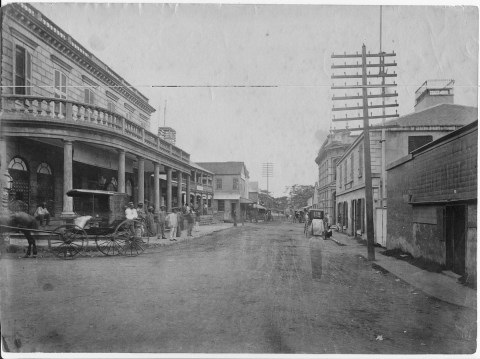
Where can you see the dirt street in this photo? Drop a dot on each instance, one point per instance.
(258, 288)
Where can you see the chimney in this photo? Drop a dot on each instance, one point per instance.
(434, 92)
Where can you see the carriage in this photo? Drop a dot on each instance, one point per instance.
(100, 217)
(315, 223)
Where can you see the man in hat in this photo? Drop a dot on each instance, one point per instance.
(141, 211)
(160, 219)
(131, 212)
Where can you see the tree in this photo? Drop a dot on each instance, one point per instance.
(299, 195)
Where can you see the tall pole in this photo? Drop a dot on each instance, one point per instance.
(382, 71)
(267, 171)
(368, 164)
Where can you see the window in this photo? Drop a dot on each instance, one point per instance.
(17, 164)
(23, 71)
(128, 115)
(334, 165)
(415, 142)
(221, 205)
(111, 106)
(219, 183)
(360, 161)
(235, 183)
(351, 166)
(44, 168)
(89, 96)
(60, 89)
(340, 175)
(345, 171)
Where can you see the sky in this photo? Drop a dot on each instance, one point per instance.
(194, 46)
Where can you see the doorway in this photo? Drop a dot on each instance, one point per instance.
(455, 232)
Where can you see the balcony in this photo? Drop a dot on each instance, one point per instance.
(57, 110)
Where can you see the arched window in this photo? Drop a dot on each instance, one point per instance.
(19, 195)
(44, 168)
(17, 163)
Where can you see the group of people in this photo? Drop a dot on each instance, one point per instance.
(156, 223)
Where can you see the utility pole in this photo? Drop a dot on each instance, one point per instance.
(267, 171)
(366, 117)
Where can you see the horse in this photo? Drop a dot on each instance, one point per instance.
(23, 221)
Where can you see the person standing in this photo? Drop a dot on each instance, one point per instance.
(197, 218)
(141, 211)
(151, 226)
(160, 220)
(179, 222)
(190, 221)
(42, 214)
(173, 223)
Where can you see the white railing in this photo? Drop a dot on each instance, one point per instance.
(56, 109)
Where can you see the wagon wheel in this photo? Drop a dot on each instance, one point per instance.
(67, 241)
(109, 245)
(129, 235)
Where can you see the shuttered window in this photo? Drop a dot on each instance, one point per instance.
(23, 71)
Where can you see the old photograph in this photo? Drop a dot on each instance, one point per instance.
(238, 179)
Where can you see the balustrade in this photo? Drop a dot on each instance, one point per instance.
(57, 109)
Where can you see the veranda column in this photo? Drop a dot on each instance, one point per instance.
(121, 171)
(156, 186)
(141, 177)
(67, 211)
(179, 188)
(169, 189)
(187, 195)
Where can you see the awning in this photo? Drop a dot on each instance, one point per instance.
(246, 200)
(259, 206)
(230, 196)
(90, 192)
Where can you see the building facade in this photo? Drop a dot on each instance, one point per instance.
(432, 197)
(231, 189)
(331, 151)
(399, 138)
(69, 121)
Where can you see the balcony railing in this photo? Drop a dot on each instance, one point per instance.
(56, 109)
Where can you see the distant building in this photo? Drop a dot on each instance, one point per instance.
(168, 134)
(402, 136)
(332, 149)
(253, 192)
(432, 202)
(231, 188)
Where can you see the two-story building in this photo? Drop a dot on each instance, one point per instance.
(402, 136)
(69, 121)
(332, 149)
(231, 188)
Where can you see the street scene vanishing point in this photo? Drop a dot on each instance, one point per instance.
(242, 180)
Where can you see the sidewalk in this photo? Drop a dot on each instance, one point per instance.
(202, 231)
(436, 285)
